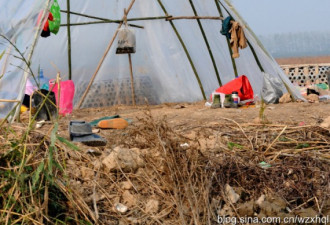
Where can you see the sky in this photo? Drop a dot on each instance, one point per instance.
(268, 17)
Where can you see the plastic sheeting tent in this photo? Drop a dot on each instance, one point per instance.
(18, 25)
(162, 71)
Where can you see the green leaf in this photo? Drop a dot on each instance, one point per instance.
(58, 166)
(284, 139)
(36, 175)
(304, 145)
(232, 145)
(52, 148)
(68, 143)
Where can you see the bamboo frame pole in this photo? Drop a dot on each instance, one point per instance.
(228, 42)
(185, 50)
(145, 18)
(98, 22)
(196, 17)
(207, 43)
(26, 73)
(102, 59)
(167, 18)
(8, 100)
(69, 39)
(3, 70)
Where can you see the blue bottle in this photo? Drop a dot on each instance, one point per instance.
(43, 81)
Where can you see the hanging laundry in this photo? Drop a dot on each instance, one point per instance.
(45, 31)
(54, 24)
(238, 39)
(226, 26)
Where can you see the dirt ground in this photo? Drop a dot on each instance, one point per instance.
(197, 114)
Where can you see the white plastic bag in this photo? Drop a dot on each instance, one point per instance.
(126, 41)
(272, 89)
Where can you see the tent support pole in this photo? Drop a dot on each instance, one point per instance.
(251, 47)
(207, 43)
(102, 59)
(228, 43)
(185, 50)
(26, 73)
(255, 56)
(69, 39)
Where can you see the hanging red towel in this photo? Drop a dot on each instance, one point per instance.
(241, 85)
(46, 23)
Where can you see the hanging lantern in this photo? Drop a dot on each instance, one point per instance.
(126, 41)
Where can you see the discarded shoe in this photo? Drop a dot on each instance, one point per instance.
(117, 123)
(79, 128)
(95, 122)
(91, 140)
(216, 101)
(80, 131)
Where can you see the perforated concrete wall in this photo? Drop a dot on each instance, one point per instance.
(303, 74)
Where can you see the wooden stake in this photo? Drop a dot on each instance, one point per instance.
(132, 79)
(102, 59)
(58, 82)
(130, 64)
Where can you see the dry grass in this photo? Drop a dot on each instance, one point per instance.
(187, 182)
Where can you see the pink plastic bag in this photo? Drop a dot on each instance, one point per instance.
(66, 95)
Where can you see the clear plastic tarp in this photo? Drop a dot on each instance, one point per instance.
(18, 25)
(161, 69)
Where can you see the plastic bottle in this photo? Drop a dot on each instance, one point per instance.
(235, 98)
(43, 81)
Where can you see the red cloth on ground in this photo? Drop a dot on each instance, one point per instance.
(241, 85)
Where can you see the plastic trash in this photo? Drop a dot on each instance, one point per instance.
(121, 208)
(184, 145)
(272, 89)
(322, 86)
(30, 87)
(264, 165)
(65, 102)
